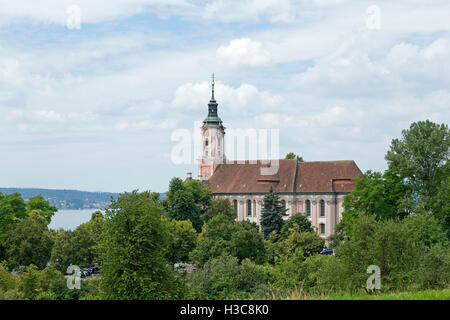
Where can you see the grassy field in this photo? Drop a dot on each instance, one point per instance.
(419, 295)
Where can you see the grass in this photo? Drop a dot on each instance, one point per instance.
(443, 294)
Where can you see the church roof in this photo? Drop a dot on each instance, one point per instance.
(292, 176)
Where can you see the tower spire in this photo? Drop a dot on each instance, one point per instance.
(212, 86)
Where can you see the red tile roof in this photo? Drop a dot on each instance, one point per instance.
(292, 176)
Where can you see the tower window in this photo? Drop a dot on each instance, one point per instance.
(322, 208)
(206, 142)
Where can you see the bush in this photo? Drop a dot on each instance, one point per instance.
(224, 278)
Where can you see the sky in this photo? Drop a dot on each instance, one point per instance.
(91, 92)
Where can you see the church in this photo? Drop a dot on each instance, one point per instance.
(315, 188)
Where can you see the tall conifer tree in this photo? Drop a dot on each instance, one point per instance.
(272, 214)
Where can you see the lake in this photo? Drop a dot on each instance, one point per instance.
(70, 219)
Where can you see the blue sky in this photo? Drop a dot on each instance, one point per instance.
(94, 108)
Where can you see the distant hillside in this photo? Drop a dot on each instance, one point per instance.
(67, 199)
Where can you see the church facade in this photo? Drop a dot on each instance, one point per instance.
(314, 189)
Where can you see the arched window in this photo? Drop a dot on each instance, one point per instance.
(206, 142)
(249, 208)
(308, 208)
(322, 208)
(235, 204)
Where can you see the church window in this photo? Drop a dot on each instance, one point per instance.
(322, 208)
(206, 142)
(322, 228)
(308, 208)
(249, 208)
(235, 204)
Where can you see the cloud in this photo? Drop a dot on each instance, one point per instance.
(243, 100)
(57, 12)
(243, 52)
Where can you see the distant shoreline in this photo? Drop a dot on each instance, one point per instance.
(66, 199)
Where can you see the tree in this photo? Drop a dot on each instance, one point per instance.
(42, 206)
(296, 220)
(307, 243)
(222, 235)
(225, 278)
(62, 255)
(202, 196)
(421, 159)
(183, 240)
(181, 202)
(12, 209)
(272, 214)
(292, 155)
(28, 242)
(378, 195)
(133, 250)
(78, 247)
(220, 206)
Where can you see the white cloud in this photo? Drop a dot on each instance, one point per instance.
(56, 12)
(243, 52)
(244, 100)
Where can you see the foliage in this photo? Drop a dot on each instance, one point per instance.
(272, 214)
(28, 242)
(183, 239)
(181, 202)
(308, 243)
(377, 194)
(292, 155)
(222, 235)
(224, 278)
(134, 248)
(388, 244)
(296, 220)
(78, 247)
(220, 206)
(421, 159)
(12, 209)
(42, 206)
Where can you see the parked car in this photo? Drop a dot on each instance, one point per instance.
(327, 252)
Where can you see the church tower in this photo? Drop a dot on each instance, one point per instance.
(213, 143)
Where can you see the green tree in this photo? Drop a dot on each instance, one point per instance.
(12, 210)
(308, 243)
(134, 248)
(63, 251)
(296, 220)
(28, 242)
(78, 247)
(183, 240)
(181, 203)
(224, 278)
(292, 155)
(222, 235)
(42, 206)
(378, 195)
(220, 206)
(421, 159)
(272, 213)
